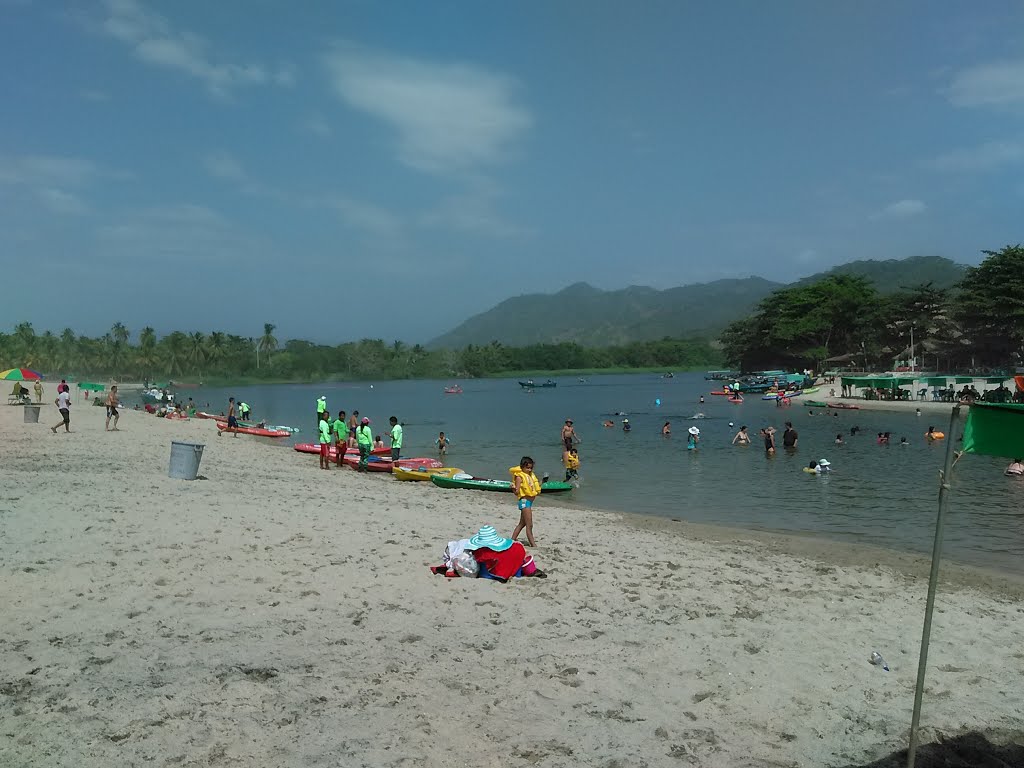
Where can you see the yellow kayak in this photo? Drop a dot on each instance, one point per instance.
(423, 473)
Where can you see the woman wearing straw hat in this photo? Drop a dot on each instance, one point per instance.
(692, 438)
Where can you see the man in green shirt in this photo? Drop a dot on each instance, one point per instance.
(396, 438)
(364, 439)
(324, 428)
(340, 437)
(321, 407)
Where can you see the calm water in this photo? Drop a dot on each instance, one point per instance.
(884, 495)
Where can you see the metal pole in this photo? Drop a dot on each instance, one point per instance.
(933, 582)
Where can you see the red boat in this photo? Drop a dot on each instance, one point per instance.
(253, 431)
(204, 415)
(384, 463)
(456, 390)
(844, 406)
(726, 393)
(333, 454)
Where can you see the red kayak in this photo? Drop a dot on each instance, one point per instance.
(724, 394)
(844, 406)
(204, 415)
(254, 431)
(333, 454)
(384, 463)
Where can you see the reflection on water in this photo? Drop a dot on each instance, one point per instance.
(880, 494)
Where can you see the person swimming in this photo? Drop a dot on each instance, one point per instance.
(1016, 469)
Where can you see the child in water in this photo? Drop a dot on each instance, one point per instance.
(572, 466)
(526, 487)
(378, 442)
(442, 444)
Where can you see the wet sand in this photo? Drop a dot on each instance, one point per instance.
(276, 614)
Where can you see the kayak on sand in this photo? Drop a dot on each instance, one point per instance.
(221, 427)
(423, 473)
(483, 484)
(385, 464)
(333, 454)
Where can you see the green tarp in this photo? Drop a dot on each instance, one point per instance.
(964, 379)
(995, 429)
(996, 379)
(936, 381)
(91, 387)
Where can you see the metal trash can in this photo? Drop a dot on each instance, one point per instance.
(32, 414)
(185, 458)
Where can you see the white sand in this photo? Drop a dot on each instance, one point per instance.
(277, 615)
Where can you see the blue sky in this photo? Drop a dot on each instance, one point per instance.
(385, 169)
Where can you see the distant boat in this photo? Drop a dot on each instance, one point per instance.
(529, 384)
(720, 375)
(456, 390)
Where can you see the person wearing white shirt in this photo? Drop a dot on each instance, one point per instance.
(63, 402)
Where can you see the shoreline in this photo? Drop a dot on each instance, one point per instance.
(275, 613)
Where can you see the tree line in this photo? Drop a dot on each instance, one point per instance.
(217, 355)
(975, 325)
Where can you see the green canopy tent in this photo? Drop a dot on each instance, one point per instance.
(997, 379)
(936, 381)
(964, 380)
(992, 429)
(91, 387)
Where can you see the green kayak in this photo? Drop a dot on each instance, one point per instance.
(483, 484)
(815, 404)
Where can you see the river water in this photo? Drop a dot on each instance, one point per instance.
(884, 495)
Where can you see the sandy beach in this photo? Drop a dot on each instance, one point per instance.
(272, 614)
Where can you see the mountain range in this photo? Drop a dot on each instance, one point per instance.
(596, 318)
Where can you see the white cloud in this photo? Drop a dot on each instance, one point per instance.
(471, 213)
(223, 166)
(173, 235)
(315, 125)
(989, 156)
(448, 118)
(901, 209)
(155, 41)
(60, 201)
(998, 84)
(46, 170)
(367, 217)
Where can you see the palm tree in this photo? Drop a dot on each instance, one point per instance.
(146, 357)
(47, 355)
(67, 353)
(197, 349)
(267, 342)
(24, 344)
(216, 346)
(175, 351)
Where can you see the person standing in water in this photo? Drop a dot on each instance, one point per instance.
(321, 407)
(568, 437)
(666, 430)
(693, 437)
(741, 437)
(442, 444)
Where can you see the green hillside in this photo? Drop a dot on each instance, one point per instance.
(596, 318)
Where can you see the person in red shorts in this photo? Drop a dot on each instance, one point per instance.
(325, 440)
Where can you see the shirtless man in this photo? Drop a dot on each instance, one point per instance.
(232, 420)
(568, 437)
(112, 402)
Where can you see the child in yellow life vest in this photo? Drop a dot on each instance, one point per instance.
(526, 487)
(572, 465)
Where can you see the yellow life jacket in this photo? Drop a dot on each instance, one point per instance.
(572, 462)
(529, 486)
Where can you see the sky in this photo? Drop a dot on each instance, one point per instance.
(347, 169)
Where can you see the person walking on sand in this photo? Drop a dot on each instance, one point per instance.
(396, 438)
(324, 429)
(63, 403)
(364, 439)
(112, 402)
(38, 387)
(233, 422)
(526, 487)
(340, 428)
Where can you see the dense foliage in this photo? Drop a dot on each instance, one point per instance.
(219, 355)
(978, 323)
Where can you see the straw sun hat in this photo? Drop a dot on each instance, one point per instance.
(488, 537)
